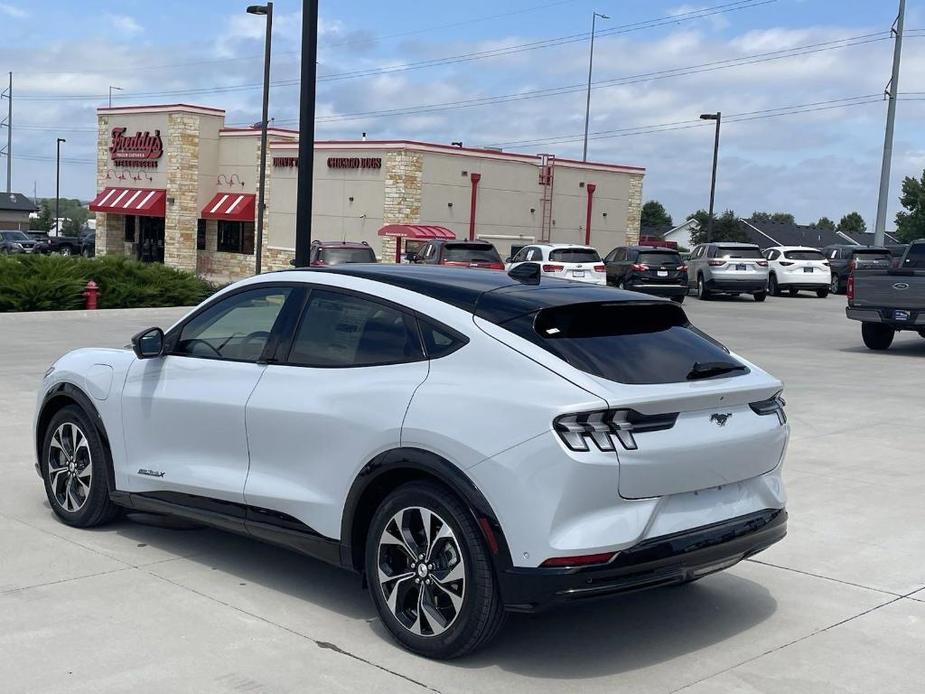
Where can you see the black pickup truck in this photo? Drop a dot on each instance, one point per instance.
(890, 300)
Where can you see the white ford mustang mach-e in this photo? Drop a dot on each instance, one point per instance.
(473, 443)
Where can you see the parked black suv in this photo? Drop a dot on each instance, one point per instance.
(658, 271)
(13, 241)
(477, 254)
(843, 259)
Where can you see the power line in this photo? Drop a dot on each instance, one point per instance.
(686, 16)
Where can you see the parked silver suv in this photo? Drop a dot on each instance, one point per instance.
(724, 267)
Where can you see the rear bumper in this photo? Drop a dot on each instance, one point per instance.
(804, 282)
(658, 289)
(885, 315)
(659, 561)
(742, 286)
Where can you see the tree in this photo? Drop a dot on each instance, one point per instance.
(725, 227)
(852, 222)
(825, 223)
(778, 217)
(71, 227)
(910, 225)
(654, 214)
(43, 221)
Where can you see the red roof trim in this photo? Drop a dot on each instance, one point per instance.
(143, 107)
(416, 231)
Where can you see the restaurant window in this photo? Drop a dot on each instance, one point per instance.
(129, 228)
(201, 235)
(236, 237)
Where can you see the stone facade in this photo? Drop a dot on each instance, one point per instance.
(110, 228)
(634, 210)
(182, 152)
(404, 184)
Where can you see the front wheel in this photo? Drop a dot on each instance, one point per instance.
(702, 292)
(773, 286)
(430, 574)
(65, 250)
(877, 336)
(835, 285)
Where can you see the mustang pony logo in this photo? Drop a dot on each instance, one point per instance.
(720, 419)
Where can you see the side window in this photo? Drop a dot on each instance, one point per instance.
(438, 342)
(342, 330)
(620, 254)
(534, 254)
(520, 256)
(711, 252)
(236, 329)
(428, 252)
(698, 253)
(610, 257)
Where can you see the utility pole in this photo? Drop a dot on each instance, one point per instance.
(58, 188)
(8, 94)
(303, 214)
(891, 92)
(594, 16)
(266, 10)
(718, 117)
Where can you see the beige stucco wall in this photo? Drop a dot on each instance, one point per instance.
(14, 220)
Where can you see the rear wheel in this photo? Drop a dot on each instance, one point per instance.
(877, 335)
(430, 574)
(760, 296)
(702, 292)
(65, 250)
(75, 471)
(794, 291)
(773, 287)
(835, 285)
(822, 293)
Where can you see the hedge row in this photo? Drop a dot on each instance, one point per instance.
(56, 283)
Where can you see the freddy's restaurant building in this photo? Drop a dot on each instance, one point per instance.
(177, 186)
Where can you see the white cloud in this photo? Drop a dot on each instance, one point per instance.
(12, 11)
(127, 26)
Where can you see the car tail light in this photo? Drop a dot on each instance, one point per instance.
(603, 425)
(851, 265)
(716, 263)
(580, 560)
(682, 268)
(553, 268)
(640, 267)
(600, 268)
(317, 263)
(773, 405)
(785, 263)
(764, 263)
(495, 266)
(851, 287)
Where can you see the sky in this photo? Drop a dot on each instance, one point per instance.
(799, 83)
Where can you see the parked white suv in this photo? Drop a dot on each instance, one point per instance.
(726, 267)
(471, 443)
(563, 261)
(797, 267)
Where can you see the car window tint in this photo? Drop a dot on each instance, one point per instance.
(575, 255)
(470, 253)
(871, 254)
(739, 252)
(340, 330)
(235, 329)
(437, 342)
(915, 256)
(803, 255)
(337, 256)
(659, 258)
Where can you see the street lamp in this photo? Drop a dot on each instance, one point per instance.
(118, 89)
(594, 16)
(308, 70)
(718, 117)
(267, 11)
(58, 187)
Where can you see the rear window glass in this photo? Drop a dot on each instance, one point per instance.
(872, 255)
(804, 255)
(734, 252)
(337, 256)
(575, 255)
(659, 258)
(915, 256)
(471, 253)
(627, 343)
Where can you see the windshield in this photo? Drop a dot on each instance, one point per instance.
(337, 256)
(470, 253)
(575, 255)
(804, 255)
(659, 258)
(14, 236)
(633, 343)
(739, 252)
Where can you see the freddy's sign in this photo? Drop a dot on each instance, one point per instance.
(139, 150)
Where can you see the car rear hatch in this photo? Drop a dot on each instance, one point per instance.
(805, 265)
(660, 267)
(474, 255)
(698, 416)
(583, 264)
(733, 262)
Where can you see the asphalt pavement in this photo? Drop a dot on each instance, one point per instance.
(837, 606)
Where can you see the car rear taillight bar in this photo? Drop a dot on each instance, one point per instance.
(600, 268)
(716, 263)
(603, 425)
(763, 263)
(640, 267)
(773, 405)
(553, 268)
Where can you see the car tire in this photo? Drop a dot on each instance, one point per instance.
(773, 286)
(877, 336)
(760, 296)
(65, 250)
(793, 291)
(822, 293)
(75, 469)
(835, 285)
(702, 292)
(447, 617)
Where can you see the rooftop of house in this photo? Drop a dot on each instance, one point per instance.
(16, 202)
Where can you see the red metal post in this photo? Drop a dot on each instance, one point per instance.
(91, 293)
(398, 249)
(591, 188)
(475, 178)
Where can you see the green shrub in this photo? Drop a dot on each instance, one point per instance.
(50, 283)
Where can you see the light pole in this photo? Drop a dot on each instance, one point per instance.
(58, 187)
(718, 117)
(266, 10)
(118, 89)
(594, 16)
(309, 65)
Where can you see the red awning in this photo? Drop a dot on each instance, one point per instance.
(146, 202)
(416, 231)
(235, 207)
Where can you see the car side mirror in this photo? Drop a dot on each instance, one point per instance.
(411, 256)
(509, 259)
(148, 344)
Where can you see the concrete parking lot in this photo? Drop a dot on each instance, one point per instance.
(838, 606)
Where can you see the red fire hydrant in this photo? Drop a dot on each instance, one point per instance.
(91, 293)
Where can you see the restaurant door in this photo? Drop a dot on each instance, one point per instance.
(150, 245)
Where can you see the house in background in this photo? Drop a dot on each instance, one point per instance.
(15, 209)
(770, 234)
(680, 234)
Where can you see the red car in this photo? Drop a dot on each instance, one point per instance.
(476, 254)
(338, 252)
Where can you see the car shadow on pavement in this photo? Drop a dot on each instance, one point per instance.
(605, 637)
(900, 348)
